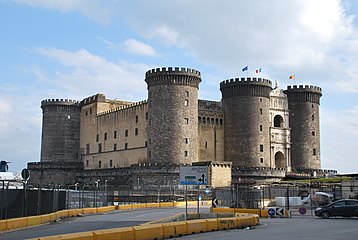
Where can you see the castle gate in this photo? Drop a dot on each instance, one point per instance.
(280, 160)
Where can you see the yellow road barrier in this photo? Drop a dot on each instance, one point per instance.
(126, 233)
(148, 232)
(174, 229)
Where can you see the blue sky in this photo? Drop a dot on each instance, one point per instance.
(77, 48)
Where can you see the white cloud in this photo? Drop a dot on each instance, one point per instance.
(135, 47)
(83, 73)
(339, 133)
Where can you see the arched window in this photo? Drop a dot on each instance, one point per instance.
(278, 121)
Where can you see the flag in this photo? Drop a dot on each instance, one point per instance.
(258, 70)
(292, 77)
(245, 68)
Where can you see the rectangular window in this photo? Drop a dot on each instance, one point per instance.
(186, 140)
(99, 147)
(136, 119)
(110, 163)
(314, 152)
(136, 131)
(261, 128)
(99, 164)
(186, 102)
(145, 144)
(115, 134)
(87, 148)
(126, 133)
(261, 160)
(87, 163)
(186, 120)
(261, 111)
(90, 110)
(261, 148)
(126, 146)
(146, 116)
(313, 133)
(97, 138)
(185, 153)
(150, 154)
(206, 144)
(105, 136)
(115, 147)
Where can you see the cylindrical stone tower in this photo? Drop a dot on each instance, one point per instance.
(303, 104)
(60, 130)
(246, 106)
(173, 115)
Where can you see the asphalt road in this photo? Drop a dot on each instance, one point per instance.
(95, 222)
(295, 228)
(305, 227)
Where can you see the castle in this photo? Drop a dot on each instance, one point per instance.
(264, 132)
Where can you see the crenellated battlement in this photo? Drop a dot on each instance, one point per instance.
(304, 88)
(100, 97)
(59, 102)
(251, 87)
(245, 81)
(132, 105)
(173, 76)
(171, 70)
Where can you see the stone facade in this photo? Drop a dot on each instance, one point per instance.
(253, 128)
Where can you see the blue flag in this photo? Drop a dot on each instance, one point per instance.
(245, 68)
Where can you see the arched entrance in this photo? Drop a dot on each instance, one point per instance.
(280, 160)
(278, 121)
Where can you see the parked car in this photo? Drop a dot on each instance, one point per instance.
(342, 208)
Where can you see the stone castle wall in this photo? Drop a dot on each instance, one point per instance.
(303, 102)
(246, 106)
(173, 115)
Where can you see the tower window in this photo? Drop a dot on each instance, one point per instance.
(261, 148)
(115, 147)
(87, 163)
(312, 117)
(90, 110)
(115, 134)
(146, 115)
(145, 143)
(261, 128)
(186, 140)
(313, 133)
(86, 113)
(97, 138)
(126, 133)
(126, 146)
(99, 147)
(186, 94)
(186, 120)
(261, 111)
(314, 152)
(185, 153)
(186, 102)
(206, 144)
(105, 136)
(150, 154)
(99, 164)
(110, 163)
(136, 118)
(261, 160)
(136, 131)
(260, 99)
(87, 148)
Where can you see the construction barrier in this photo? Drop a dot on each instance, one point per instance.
(196, 226)
(116, 233)
(161, 231)
(33, 221)
(150, 231)
(174, 229)
(211, 224)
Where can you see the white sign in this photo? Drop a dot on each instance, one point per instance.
(193, 175)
